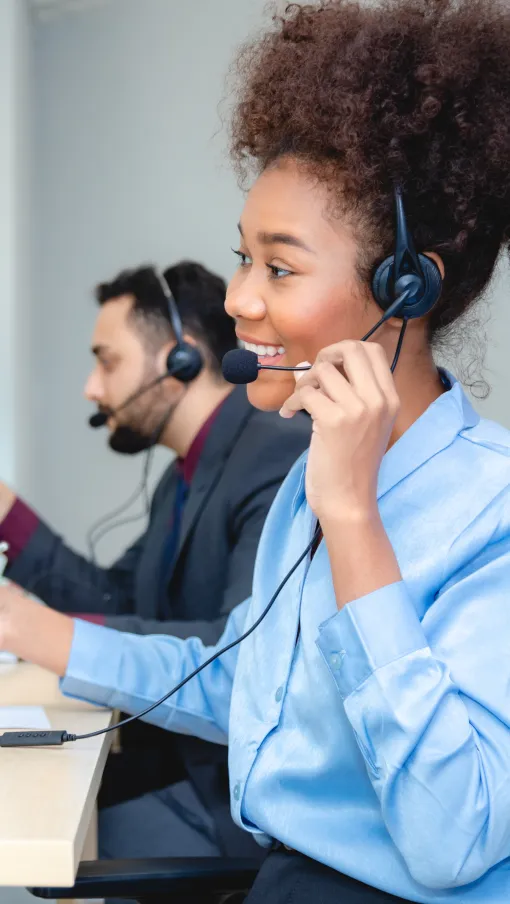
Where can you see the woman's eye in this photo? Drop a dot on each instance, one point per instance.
(244, 260)
(278, 272)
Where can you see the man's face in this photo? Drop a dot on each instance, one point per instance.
(124, 364)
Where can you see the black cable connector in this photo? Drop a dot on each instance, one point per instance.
(35, 738)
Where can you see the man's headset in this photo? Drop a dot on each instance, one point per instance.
(184, 361)
(405, 285)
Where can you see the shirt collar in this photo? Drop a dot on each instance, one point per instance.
(434, 431)
(188, 465)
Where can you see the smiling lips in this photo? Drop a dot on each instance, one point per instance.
(266, 354)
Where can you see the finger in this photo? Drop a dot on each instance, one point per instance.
(336, 387)
(359, 369)
(368, 369)
(317, 405)
(383, 374)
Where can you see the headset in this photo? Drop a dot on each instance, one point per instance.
(406, 273)
(405, 285)
(185, 360)
(184, 363)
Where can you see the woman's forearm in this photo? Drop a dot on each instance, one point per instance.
(361, 556)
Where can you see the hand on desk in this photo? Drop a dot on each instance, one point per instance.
(33, 632)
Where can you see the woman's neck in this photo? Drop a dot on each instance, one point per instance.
(418, 384)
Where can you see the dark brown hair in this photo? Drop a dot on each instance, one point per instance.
(414, 91)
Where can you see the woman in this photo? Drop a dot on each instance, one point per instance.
(368, 715)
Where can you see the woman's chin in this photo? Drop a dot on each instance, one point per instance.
(270, 390)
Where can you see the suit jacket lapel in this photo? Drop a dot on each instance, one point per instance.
(225, 431)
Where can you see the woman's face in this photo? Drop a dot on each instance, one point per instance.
(296, 289)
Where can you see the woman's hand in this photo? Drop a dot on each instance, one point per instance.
(33, 632)
(351, 397)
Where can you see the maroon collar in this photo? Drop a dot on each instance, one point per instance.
(188, 465)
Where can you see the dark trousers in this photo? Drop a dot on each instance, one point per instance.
(290, 878)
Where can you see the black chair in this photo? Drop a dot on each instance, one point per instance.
(200, 880)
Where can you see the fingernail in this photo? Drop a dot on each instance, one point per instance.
(284, 412)
(299, 373)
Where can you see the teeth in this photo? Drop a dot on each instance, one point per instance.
(263, 351)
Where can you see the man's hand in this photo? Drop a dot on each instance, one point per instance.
(34, 632)
(7, 500)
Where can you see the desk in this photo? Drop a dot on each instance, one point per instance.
(47, 795)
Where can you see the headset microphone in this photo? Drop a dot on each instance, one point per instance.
(98, 419)
(242, 366)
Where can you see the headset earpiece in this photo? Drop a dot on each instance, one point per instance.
(405, 271)
(185, 360)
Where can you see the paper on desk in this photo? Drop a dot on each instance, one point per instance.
(23, 717)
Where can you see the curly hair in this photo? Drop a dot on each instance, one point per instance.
(408, 91)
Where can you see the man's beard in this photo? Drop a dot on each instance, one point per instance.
(129, 441)
(148, 417)
(147, 425)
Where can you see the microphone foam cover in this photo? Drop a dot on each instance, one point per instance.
(240, 366)
(98, 419)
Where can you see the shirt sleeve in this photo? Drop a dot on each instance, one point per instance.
(130, 672)
(17, 528)
(429, 705)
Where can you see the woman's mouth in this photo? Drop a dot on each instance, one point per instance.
(266, 354)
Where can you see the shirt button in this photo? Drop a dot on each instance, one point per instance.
(336, 660)
(237, 791)
(279, 694)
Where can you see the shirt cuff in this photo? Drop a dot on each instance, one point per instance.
(17, 528)
(368, 634)
(92, 663)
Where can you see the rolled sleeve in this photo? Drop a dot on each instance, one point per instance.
(368, 634)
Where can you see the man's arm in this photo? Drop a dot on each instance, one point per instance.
(40, 562)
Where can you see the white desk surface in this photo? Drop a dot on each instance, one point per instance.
(47, 795)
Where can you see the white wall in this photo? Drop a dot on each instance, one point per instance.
(15, 77)
(129, 167)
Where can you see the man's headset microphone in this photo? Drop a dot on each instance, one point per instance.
(406, 285)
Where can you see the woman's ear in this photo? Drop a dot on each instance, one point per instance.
(437, 260)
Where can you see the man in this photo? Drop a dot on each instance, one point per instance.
(194, 562)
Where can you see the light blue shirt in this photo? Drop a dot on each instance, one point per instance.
(375, 739)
